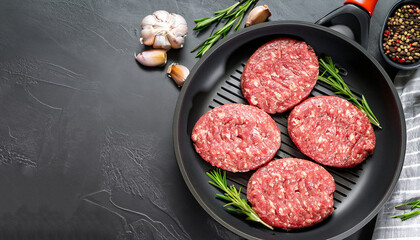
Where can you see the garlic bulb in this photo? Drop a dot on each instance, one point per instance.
(152, 57)
(258, 15)
(163, 30)
(178, 73)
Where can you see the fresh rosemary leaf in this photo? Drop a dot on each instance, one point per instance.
(414, 204)
(406, 216)
(337, 82)
(238, 23)
(234, 13)
(202, 23)
(233, 197)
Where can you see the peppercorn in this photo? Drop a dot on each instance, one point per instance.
(401, 35)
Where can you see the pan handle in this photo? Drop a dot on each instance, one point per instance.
(368, 5)
(352, 19)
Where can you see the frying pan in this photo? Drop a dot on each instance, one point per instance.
(215, 80)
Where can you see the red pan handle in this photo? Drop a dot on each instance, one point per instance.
(352, 19)
(368, 5)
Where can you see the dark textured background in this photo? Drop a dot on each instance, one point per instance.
(86, 147)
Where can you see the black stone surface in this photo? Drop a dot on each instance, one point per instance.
(86, 148)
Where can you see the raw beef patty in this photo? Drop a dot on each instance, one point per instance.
(291, 193)
(279, 75)
(236, 137)
(331, 131)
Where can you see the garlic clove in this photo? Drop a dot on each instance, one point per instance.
(152, 57)
(178, 20)
(177, 36)
(175, 41)
(148, 36)
(161, 41)
(149, 20)
(162, 15)
(258, 15)
(180, 30)
(178, 73)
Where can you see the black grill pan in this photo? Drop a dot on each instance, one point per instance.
(361, 191)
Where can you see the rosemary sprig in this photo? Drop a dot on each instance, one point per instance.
(414, 204)
(234, 13)
(233, 196)
(407, 215)
(336, 81)
(202, 23)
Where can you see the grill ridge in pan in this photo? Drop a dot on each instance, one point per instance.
(361, 191)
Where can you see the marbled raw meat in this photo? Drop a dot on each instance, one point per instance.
(291, 193)
(279, 75)
(236, 137)
(331, 131)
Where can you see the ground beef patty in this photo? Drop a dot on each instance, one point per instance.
(236, 137)
(279, 75)
(291, 193)
(331, 131)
